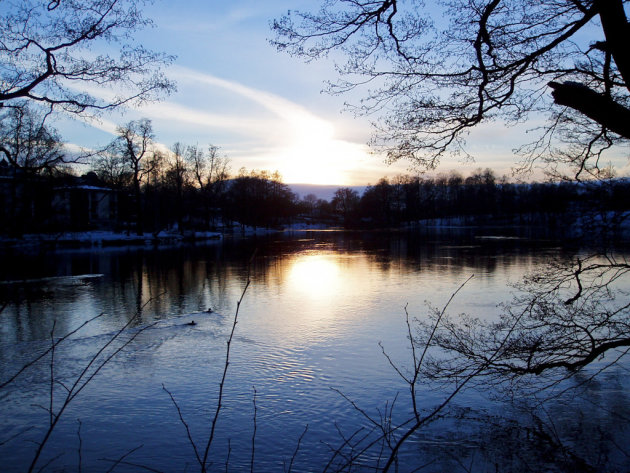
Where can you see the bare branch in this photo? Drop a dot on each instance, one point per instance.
(297, 449)
(430, 77)
(181, 419)
(225, 369)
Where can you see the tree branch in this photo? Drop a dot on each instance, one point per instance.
(617, 32)
(597, 107)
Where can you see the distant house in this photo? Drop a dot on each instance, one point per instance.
(39, 204)
(83, 203)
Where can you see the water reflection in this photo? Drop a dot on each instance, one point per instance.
(314, 275)
(311, 320)
(586, 429)
(326, 276)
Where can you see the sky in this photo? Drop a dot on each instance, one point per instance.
(262, 108)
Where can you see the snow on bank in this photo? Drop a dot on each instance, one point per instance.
(102, 238)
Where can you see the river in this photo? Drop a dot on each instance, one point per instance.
(306, 363)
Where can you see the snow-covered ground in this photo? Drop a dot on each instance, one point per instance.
(99, 238)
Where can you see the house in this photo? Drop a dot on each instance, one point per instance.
(84, 203)
(45, 204)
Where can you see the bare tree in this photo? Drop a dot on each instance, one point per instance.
(47, 51)
(177, 177)
(345, 202)
(29, 149)
(112, 170)
(27, 143)
(437, 71)
(210, 171)
(134, 145)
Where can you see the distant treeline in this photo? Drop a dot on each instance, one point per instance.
(134, 185)
(478, 199)
(182, 196)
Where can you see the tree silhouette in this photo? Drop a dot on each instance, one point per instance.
(134, 146)
(46, 49)
(27, 143)
(345, 203)
(435, 72)
(30, 150)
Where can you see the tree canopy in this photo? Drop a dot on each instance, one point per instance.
(435, 71)
(27, 143)
(58, 54)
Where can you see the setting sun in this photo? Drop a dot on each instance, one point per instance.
(301, 145)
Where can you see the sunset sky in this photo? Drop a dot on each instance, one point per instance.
(264, 109)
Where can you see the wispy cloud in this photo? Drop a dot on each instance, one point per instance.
(300, 144)
(272, 132)
(298, 117)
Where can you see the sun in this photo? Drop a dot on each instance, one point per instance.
(313, 155)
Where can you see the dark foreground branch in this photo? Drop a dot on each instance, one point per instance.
(597, 107)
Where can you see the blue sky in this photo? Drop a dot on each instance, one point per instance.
(264, 109)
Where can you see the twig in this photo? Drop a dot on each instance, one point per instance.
(181, 419)
(135, 465)
(417, 363)
(297, 449)
(419, 423)
(80, 448)
(46, 352)
(84, 378)
(353, 456)
(125, 455)
(437, 322)
(338, 451)
(227, 459)
(52, 372)
(49, 462)
(14, 436)
(411, 425)
(356, 407)
(225, 368)
(436, 411)
(251, 469)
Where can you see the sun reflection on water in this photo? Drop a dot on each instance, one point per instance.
(315, 275)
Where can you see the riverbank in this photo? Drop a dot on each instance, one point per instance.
(105, 238)
(617, 224)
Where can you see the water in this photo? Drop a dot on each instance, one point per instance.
(309, 328)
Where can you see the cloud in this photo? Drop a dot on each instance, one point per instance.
(300, 144)
(295, 116)
(258, 127)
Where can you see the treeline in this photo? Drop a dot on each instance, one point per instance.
(133, 185)
(187, 187)
(480, 198)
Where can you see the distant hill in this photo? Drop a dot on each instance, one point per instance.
(322, 192)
